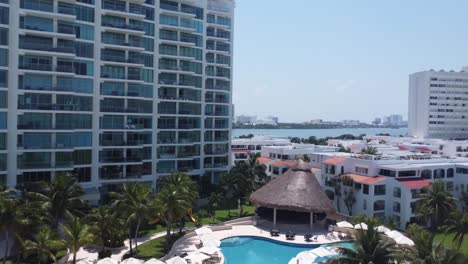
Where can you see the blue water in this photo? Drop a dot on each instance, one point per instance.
(255, 250)
(320, 133)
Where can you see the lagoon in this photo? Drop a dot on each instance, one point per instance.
(319, 133)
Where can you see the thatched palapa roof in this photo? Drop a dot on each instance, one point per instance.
(295, 190)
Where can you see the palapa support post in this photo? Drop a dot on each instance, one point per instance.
(311, 221)
(274, 217)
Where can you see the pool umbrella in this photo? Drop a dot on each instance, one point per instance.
(211, 243)
(361, 226)
(154, 261)
(394, 234)
(382, 229)
(403, 240)
(107, 261)
(196, 257)
(84, 261)
(306, 256)
(344, 224)
(322, 252)
(132, 261)
(176, 260)
(209, 250)
(203, 230)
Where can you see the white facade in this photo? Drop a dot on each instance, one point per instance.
(391, 188)
(113, 91)
(243, 147)
(437, 104)
(245, 119)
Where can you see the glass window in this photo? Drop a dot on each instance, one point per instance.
(3, 78)
(365, 189)
(84, 31)
(40, 5)
(3, 120)
(84, 13)
(450, 173)
(37, 23)
(3, 36)
(35, 121)
(169, 20)
(4, 15)
(3, 162)
(3, 57)
(3, 142)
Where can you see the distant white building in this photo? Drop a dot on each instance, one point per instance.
(243, 147)
(390, 188)
(246, 119)
(437, 104)
(393, 120)
(351, 122)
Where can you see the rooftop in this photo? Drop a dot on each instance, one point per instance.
(334, 160)
(365, 179)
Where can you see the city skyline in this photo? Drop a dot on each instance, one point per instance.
(356, 55)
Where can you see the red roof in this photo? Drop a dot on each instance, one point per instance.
(415, 184)
(314, 170)
(424, 149)
(365, 179)
(334, 160)
(263, 160)
(241, 151)
(402, 148)
(283, 163)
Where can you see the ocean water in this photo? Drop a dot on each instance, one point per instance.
(319, 133)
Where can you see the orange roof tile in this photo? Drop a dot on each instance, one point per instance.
(365, 179)
(334, 160)
(283, 163)
(314, 170)
(263, 160)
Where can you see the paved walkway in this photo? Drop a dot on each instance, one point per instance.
(117, 254)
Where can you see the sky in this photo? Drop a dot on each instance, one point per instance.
(334, 60)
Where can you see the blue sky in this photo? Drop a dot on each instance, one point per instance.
(348, 59)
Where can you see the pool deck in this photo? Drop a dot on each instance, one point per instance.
(190, 244)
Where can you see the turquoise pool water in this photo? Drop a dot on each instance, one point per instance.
(256, 250)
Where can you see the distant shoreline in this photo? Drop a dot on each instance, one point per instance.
(314, 127)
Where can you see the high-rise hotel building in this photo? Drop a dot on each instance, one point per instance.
(112, 91)
(438, 104)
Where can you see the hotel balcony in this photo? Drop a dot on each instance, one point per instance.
(44, 49)
(122, 61)
(123, 28)
(113, 9)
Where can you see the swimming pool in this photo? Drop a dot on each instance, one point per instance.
(257, 250)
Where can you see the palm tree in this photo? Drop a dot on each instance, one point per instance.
(228, 183)
(77, 235)
(349, 201)
(61, 197)
(45, 246)
(370, 247)
(370, 150)
(183, 182)
(457, 223)
(106, 224)
(426, 251)
(171, 203)
(8, 209)
(337, 190)
(436, 202)
(214, 202)
(133, 201)
(256, 170)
